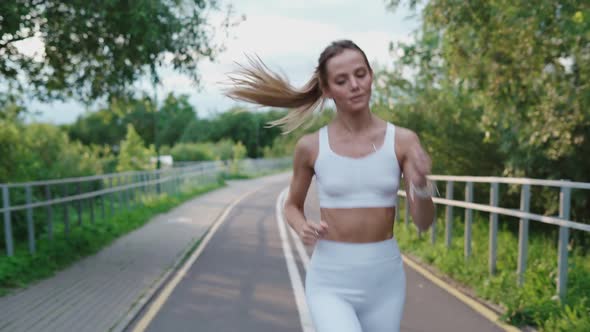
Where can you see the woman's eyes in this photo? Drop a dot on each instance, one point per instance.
(359, 75)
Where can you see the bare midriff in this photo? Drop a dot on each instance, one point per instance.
(359, 225)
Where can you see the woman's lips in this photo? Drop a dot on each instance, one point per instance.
(357, 98)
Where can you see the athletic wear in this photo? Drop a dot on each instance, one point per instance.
(356, 287)
(347, 182)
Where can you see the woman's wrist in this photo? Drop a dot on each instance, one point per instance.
(426, 191)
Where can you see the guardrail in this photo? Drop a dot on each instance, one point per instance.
(523, 213)
(40, 200)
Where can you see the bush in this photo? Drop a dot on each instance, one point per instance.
(192, 152)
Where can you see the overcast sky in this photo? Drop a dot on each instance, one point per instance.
(288, 35)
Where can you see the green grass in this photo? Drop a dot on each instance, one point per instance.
(54, 255)
(534, 303)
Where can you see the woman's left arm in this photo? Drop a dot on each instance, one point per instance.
(416, 166)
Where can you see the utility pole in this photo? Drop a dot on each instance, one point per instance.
(156, 141)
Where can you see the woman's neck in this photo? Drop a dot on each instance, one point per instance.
(355, 123)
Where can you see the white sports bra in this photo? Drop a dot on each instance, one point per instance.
(347, 182)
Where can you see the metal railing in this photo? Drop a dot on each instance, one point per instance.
(523, 213)
(37, 202)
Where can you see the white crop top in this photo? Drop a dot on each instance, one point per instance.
(347, 182)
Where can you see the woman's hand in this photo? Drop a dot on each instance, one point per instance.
(310, 232)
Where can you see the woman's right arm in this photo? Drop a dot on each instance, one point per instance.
(302, 174)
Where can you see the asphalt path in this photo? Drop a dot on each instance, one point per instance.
(249, 277)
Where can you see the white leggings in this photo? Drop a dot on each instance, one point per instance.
(354, 287)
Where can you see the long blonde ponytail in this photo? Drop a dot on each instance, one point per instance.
(258, 84)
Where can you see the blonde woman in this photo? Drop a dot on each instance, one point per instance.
(356, 281)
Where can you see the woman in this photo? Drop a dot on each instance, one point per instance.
(356, 280)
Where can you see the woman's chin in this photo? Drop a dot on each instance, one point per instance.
(354, 108)
(359, 108)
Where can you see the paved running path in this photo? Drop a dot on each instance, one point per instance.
(240, 282)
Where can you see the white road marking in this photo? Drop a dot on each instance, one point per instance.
(294, 276)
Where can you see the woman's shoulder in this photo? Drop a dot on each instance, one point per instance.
(308, 142)
(307, 146)
(405, 135)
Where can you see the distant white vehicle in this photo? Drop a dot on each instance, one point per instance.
(165, 161)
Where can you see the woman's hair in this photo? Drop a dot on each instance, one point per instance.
(259, 85)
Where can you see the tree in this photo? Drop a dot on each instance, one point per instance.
(103, 127)
(173, 118)
(43, 151)
(134, 155)
(108, 125)
(98, 48)
(526, 66)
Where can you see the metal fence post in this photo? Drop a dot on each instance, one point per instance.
(66, 212)
(91, 203)
(111, 198)
(564, 213)
(136, 187)
(49, 212)
(494, 194)
(433, 227)
(468, 219)
(523, 233)
(7, 221)
(120, 194)
(79, 205)
(102, 202)
(143, 188)
(30, 224)
(158, 189)
(126, 192)
(131, 182)
(449, 215)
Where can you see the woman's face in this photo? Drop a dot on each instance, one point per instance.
(349, 81)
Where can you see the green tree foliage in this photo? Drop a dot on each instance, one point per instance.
(520, 73)
(98, 48)
(237, 124)
(42, 151)
(238, 153)
(103, 127)
(223, 149)
(173, 118)
(525, 66)
(134, 155)
(107, 126)
(192, 152)
(175, 122)
(200, 130)
(448, 128)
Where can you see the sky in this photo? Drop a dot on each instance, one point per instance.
(287, 35)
